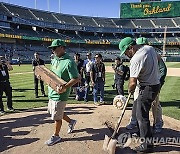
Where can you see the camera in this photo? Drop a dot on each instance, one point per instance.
(3, 61)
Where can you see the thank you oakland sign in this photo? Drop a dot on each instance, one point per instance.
(150, 9)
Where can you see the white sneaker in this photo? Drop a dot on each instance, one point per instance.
(97, 103)
(53, 140)
(71, 126)
(10, 109)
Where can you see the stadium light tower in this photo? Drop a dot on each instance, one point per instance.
(164, 41)
(48, 4)
(59, 6)
(35, 4)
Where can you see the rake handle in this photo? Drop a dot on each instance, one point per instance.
(120, 118)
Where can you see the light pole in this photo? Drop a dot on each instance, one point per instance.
(164, 41)
(35, 4)
(59, 6)
(48, 4)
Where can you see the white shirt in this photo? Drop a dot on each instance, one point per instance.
(144, 66)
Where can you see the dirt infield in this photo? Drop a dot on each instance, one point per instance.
(26, 132)
(170, 71)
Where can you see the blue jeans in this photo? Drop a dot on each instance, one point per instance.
(87, 81)
(98, 86)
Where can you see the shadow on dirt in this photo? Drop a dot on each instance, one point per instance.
(167, 141)
(11, 127)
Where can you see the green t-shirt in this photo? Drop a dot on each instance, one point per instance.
(162, 68)
(66, 69)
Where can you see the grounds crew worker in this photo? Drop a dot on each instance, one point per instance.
(144, 72)
(5, 84)
(64, 67)
(37, 61)
(156, 107)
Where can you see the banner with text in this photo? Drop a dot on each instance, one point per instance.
(150, 9)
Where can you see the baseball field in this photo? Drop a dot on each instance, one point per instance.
(26, 130)
(23, 90)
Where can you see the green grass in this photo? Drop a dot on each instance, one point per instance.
(23, 92)
(110, 63)
(173, 64)
(168, 64)
(170, 97)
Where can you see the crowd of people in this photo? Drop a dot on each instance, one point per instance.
(146, 75)
(92, 72)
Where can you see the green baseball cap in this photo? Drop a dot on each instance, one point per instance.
(141, 41)
(57, 43)
(124, 44)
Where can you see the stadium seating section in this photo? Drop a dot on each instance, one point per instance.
(83, 30)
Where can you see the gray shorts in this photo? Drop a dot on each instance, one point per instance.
(56, 109)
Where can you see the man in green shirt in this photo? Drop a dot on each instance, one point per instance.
(64, 67)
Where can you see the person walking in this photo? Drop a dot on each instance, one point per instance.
(5, 85)
(64, 67)
(98, 79)
(37, 61)
(144, 72)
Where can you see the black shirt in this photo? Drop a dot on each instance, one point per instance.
(37, 62)
(98, 72)
(124, 69)
(4, 74)
(80, 65)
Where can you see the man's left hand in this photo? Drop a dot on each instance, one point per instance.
(61, 89)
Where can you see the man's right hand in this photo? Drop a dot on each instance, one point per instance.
(130, 91)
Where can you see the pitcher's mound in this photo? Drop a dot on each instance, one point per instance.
(26, 132)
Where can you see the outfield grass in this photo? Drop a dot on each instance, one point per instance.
(23, 92)
(168, 64)
(173, 64)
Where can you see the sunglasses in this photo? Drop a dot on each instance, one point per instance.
(54, 48)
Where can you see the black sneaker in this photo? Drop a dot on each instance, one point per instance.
(2, 112)
(150, 146)
(144, 148)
